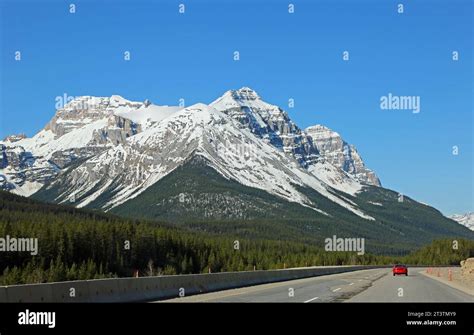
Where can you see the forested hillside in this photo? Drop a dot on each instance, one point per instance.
(82, 244)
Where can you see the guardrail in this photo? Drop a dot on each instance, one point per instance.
(157, 288)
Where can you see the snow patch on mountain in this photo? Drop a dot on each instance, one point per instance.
(335, 178)
(45, 144)
(148, 115)
(24, 188)
(375, 203)
(466, 220)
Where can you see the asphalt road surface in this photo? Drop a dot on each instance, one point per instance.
(375, 285)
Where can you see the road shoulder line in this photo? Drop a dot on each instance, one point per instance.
(450, 283)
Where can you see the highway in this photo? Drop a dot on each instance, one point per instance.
(375, 285)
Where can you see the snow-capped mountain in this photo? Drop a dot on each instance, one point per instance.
(236, 158)
(100, 130)
(338, 152)
(125, 171)
(274, 126)
(466, 220)
(82, 128)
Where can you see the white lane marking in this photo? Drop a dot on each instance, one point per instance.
(351, 284)
(360, 279)
(337, 289)
(311, 299)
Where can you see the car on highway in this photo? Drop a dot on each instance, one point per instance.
(400, 269)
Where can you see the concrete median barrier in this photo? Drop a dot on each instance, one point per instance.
(157, 288)
(30, 293)
(70, 291)
(3, 294)
(103, 290)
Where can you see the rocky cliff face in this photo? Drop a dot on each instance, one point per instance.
(82, 128)
(338, 152)
(86, 110)
(22, 172)
(269, 122)
(14, 138)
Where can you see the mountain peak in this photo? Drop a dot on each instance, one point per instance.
(14, 138)
(339, 153)
(245, 93)
(268, 122)
(319, 130)
(244, 96)
(118, 99)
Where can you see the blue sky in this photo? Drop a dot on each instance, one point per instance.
(282, 56)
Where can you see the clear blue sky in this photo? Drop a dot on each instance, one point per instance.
(282, 56)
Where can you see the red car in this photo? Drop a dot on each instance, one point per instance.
(400, 269)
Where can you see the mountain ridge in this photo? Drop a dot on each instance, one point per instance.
(116, 155)
(88, 126)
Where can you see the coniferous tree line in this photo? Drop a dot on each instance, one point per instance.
(77, 244)
(442, 252)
